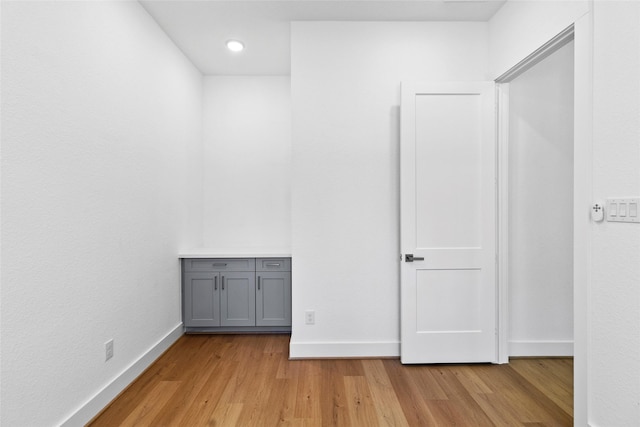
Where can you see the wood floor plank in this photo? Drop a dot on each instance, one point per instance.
(287, 401)
(470, 380)
(152, 404)
(190, 389)
(547, 375)
(384, 396)
(226, 414)
(499, 409)
(333, 403)
(277, 409)
(412, 394)
(201, 409)
(425, 380)
(245, 380)
(460, 407)
(360, 404)
(309, 397)
(533, 405)
(547, 410)
(256, 410)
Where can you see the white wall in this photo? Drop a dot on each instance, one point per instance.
(614, 344)
(520, 27)
(607, 385)
(541, 208)
(101, 172)
(345, 83)
(247, 153)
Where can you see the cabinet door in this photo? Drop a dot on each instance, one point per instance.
(238, 299)
(273, 299)
(201, 299)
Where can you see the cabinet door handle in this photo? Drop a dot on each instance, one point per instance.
(223, 283)
(215, 283)
(258, 282)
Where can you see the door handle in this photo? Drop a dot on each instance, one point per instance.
(258, 282)
(215, 283)
(223, 283)
(411, 258)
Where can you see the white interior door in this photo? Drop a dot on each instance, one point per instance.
(448, 218)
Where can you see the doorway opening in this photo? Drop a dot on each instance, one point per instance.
(536, 203)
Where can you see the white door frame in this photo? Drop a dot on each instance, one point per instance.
(502, 96)
(582, 34)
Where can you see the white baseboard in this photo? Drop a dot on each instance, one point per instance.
(541, 348)
(338, 350)
(98, 402)
(327, 350)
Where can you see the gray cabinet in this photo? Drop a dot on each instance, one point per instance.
(241, 295)
(273, 299)
(201, 299)
(238, 299)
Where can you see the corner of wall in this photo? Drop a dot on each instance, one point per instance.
(93, 406)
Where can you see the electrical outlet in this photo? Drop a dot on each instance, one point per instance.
(108, 350)
(310, 317)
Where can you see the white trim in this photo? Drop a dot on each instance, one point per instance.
(541, 348)
(538, 55)
(100, 400)
(502, 93)
(331, 350)
(502, 239)
(582, 198)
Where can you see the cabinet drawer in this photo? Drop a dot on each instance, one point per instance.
(220, 264)
(273, 264)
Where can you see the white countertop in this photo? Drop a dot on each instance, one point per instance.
(233, 253)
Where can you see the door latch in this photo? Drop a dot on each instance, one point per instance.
(411, 258)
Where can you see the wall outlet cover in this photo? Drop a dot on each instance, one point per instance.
(108, 349)
(310, 317)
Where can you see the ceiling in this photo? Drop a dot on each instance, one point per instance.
(201, 28)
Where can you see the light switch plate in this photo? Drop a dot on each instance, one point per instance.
(623, 209)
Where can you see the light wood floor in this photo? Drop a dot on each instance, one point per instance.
(247, 380)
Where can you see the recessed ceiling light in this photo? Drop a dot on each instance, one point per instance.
(235, 45)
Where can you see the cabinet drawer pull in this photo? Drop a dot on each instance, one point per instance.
(273, 265)
(258, 282)
(215, 283)
(223, 283)
(219, 264)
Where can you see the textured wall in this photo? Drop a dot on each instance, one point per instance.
(609, 296)
(614, 345)
(101, 123)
